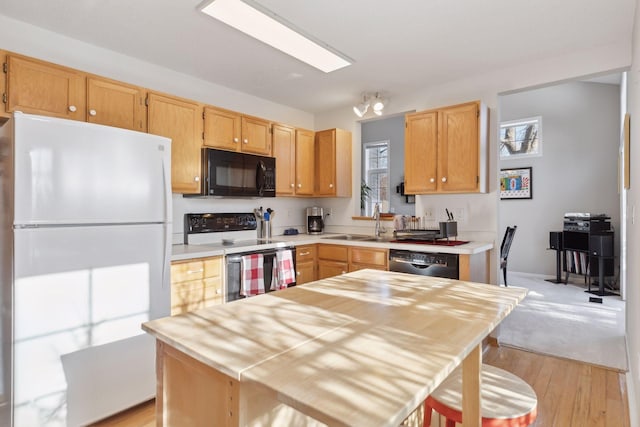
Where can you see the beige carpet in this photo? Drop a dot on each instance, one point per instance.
(559, 320)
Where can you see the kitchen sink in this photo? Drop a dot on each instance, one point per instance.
(375, 239)
(359, 237)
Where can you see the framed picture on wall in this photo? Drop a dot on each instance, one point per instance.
(521, 138)
(515, 184)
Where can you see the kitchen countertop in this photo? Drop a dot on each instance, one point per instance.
(183, 252)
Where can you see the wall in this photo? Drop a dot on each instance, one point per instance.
(577, 171)
(633, 231)
(391, 129)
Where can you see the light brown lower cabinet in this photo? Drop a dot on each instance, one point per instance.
(195, 284)
(306, 261)
(334, 260)
(331, 268)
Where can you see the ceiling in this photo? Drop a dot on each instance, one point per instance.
(398, 46)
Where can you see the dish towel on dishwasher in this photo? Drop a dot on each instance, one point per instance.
(283, 271)
(252, 281)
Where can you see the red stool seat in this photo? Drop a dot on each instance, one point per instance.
(507, 400)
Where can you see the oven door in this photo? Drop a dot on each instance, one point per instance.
(234, 273)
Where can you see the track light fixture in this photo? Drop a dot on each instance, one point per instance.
(361, 109)
(375, 101)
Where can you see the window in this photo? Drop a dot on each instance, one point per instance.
(376, 164)
(521, 138)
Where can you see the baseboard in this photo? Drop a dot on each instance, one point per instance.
(532, 275)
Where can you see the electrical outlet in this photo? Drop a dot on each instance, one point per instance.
(329, 212)
(429, 215)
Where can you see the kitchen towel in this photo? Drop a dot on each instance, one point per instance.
(252, 281)
(283, 271)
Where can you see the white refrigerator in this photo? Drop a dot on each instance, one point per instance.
(84, 260)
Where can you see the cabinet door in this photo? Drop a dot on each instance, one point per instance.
(305, 272)
(373, 257)
(331, 268)
(284, 150)
(115, 104)
(256, 136)
(458, 148)
(333, 252)
(305, 163)
(326, 163)
(180, 120)
(222, 129)
(41, 88)
(420, 151)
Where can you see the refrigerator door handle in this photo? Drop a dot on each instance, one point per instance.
(166, 185)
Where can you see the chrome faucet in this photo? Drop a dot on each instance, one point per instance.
(376, 217)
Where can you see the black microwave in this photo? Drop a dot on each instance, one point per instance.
(229, 173)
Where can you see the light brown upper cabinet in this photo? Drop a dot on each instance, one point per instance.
(284, 150)
(446, 150)
(294, 153)
(39, 87)
(180, 120)
(333, 163)
(305, 162)
(116, 104)
(228, 130)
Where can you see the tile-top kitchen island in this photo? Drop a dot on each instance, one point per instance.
(360, 349)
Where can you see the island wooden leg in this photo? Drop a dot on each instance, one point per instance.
(471, 402)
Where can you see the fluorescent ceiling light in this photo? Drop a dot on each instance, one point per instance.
(271, 29)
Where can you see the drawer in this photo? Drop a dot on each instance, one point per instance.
(370, 256)
(306, 253)
(333, 252)
(183, 271)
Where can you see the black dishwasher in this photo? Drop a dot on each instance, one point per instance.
(424, 263)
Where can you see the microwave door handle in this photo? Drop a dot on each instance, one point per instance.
(261, 172)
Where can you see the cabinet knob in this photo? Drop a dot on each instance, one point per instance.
(92, 112)
(236, 139)
(246, 141)
(344, 272)
(72, 108)
(292, 185)
(444, 179)
(196, 178)
(297, 273)
(330, 185)
(432, 180)
(299, 185)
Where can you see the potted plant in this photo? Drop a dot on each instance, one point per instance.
(365, 193)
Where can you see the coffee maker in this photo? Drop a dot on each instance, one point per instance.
(315, 220)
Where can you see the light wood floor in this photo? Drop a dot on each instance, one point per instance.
(570, 394)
